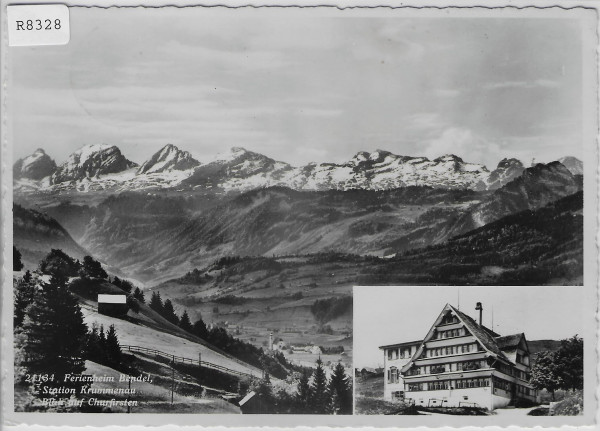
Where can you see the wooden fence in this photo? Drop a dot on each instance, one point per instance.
(199, 362)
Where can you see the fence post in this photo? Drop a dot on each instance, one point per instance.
(172, 379)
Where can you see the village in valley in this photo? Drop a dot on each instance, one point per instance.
(129, 353)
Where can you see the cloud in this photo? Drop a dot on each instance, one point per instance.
(428, 121)
(465, 144)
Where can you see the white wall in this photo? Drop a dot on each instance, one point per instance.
(453, 397)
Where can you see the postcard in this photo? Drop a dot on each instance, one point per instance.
(310, 216)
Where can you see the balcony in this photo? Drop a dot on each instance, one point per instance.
(437, 370)
(470, 366)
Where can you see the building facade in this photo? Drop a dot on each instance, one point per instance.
(459, 363)
(396, 356)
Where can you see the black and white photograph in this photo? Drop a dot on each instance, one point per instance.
(191, 202)
(503, 352)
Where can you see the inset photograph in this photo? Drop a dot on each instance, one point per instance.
(468, 351)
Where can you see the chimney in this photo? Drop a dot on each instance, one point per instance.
(480, 308)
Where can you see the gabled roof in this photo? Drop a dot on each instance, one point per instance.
(482, 334)
(485, 336)
(511, 342)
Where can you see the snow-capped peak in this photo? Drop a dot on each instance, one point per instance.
(229, 155)
(168, 158)
(87, 151)
(379, 155)
(90, 161)
(361, 156)
(449, 158)
(103, 167)
(35, 166)
(33, 158)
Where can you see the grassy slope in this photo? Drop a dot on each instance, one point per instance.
(138, 333)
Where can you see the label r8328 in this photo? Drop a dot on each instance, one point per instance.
(38, 24)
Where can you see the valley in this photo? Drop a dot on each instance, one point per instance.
(258, 258)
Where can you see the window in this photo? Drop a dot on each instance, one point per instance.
(412, 387)
(438, 385)
(470, 365)
(389, 352)
(472, 383)
(393, 375)
(502, 384)
(414, 371)
(448, 319)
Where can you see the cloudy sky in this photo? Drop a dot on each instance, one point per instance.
(383, 316)
(302, 87)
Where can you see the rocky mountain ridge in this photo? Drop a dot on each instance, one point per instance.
(105, 168)
(168, 158)
(35, 166)
(89, 162)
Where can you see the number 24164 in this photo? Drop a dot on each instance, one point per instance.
(38, 24)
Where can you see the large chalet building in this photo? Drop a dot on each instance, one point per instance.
(459, 363)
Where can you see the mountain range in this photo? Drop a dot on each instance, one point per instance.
(253, 242)
(154, 237)
(105, 168)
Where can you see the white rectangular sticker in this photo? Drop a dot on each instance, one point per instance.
(30, 25)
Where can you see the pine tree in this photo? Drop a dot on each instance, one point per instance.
(51, 339)
(200, 330)
(139, 295)
(113, 349)
(319, 400)
(184, 322)
(169, 312)
(24, 291)
(94, 351)
(126, 285)
(156, 303)
(17, 263)
(303, 395)
(102, 339)
(340, 391)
